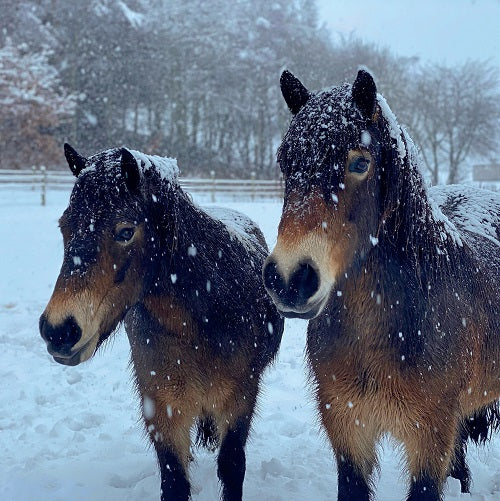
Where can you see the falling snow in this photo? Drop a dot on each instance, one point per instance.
(75, 432)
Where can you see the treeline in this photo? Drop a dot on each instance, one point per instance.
(196, 80)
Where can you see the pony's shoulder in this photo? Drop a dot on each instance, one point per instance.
(473, 210)
(239, 225)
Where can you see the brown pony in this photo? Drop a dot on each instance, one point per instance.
(187, 286)
(400, 285)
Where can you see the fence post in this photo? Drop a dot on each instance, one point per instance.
(252, 186)
(43, 170)
(212, 176)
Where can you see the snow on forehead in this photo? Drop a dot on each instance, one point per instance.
(328, 119)
(166, 167)
(336, 100)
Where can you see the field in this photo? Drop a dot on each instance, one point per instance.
(75, 433)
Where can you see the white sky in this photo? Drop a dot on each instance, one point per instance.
(442, 31)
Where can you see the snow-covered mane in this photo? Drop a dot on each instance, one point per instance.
(413, 221)
(166, 167)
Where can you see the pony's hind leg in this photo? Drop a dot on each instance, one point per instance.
(459, 468)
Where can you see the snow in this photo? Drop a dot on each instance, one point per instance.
(239, 225)
(75, 432)
(166, 167)
(474, 210)
(394, 129)
(136, 19)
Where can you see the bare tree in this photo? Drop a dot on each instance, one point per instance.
(455, 114)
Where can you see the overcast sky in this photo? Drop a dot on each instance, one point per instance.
(442, 31)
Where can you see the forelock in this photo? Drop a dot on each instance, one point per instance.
(329, 121)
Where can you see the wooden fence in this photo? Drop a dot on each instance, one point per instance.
(211, 189)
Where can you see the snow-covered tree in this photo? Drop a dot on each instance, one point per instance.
(32, 107)
(199, 80)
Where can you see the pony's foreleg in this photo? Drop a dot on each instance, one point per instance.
(353, 482)
(174, 480)
(353, 441)
(431, 449)
(231, 463)
(234, 424)
(168, 430)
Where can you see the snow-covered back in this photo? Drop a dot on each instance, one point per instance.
(472, 209)
(238, 224)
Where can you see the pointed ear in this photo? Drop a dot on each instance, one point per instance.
(295, 94)
(130, 170)
(364, 94)
(75, 161)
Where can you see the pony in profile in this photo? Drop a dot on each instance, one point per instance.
(399, 284)
(186, 283)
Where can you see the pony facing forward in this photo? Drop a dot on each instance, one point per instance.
(400, 284)
(187, 285)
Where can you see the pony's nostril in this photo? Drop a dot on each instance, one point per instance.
(273, 280)
(60, 338)
(304, 283)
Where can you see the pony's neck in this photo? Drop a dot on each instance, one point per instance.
(187, 248)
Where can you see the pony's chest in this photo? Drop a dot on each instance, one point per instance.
(366, 388)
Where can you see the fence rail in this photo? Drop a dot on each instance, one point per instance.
(214, 189)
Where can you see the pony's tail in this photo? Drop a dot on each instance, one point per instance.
(207, 434)
(480, 426)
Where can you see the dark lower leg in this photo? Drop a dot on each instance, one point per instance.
(459, 468)
(231, 461)
(174, 482)
(353, 486)
(424, 488)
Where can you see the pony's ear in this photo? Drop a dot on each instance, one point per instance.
(364, 94)
(75, 161)
(130, 170)
(295, 94)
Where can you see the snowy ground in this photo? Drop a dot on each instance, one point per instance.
(73, 433)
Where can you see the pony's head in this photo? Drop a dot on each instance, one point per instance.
(331, 157)
(107, 236)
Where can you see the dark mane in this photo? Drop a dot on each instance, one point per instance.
(413, 225)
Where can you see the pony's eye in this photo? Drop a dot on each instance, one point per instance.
(359, 165)
(125, 234)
